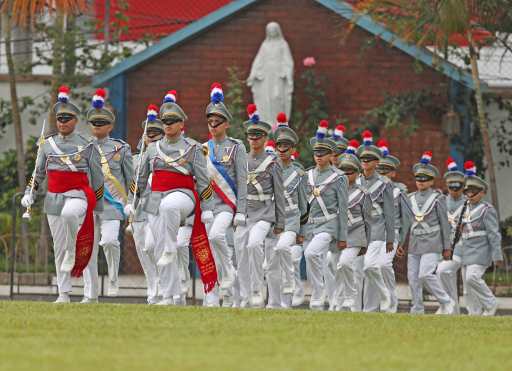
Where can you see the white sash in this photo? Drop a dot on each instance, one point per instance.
(420, 215)
(470, 217)
(252, 179)
(353, 199)
(217, 177)
(63, 157)
(318, 190)
(174, 163)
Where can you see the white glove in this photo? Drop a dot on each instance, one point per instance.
(239, 220)
(27, 200)
(207, 216)
(128, 210)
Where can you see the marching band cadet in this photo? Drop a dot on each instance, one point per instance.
(382, 226)
(280, 275)
(358, 233)
(142, 235)
(455, 203)
(387, 167)
(227, 167)
(117, 166)
(265, 208)
(327, 196)
(68, 160)
(341, 144)
(330, 261)
(427, 224)
(297, 251)
(175, 162)
(481, 244)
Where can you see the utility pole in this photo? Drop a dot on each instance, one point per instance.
(106, 25)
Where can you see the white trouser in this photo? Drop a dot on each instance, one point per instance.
(144, 245)
(358, 283)
(184, 235)
(375, 289)
(388, 273)
(447, 273)
(479, 296)
(64, 229)
(346, 293)
(174, 209)
(249, 249)
(331, 288)
(107, 232)
(221, 252)
(420, 273)
(296, 252)
(315, 254)
(279, 266)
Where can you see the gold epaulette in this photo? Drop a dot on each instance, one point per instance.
(207, 193)
(132, 187)
(36, 185)
(99, 192)
(304, 218)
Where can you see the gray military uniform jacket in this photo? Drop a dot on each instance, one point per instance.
(141, 215)
(358, 213)
(295, 195)
(328, 199)
(118, 157)
(400, 203)
(232, 156)
(382, 219)
(73, 152)
(481, 238)
(454, 208)
(183, 156)
(265, 192)
(427, 222)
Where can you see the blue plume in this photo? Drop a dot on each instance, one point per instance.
(217, 97)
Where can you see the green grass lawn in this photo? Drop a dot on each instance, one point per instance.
(43, 336)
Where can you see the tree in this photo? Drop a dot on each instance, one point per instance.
(21, 13)
(439, 23)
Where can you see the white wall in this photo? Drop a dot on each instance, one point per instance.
(503, 174)
(37, 91)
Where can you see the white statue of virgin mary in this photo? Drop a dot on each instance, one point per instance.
(271, 77)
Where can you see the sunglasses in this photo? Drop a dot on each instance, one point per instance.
(65, 119)
(471, 192)
(321, 154)
(368, 159)
(213, 123)
(153, 135)
(423, 179)
(348, 172)
(99, 123)
(255, 136)
(383, 171)
(171, 121)
(454, 188)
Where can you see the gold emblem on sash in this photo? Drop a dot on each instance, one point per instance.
(419, 217)
(316, 192)
(77, 157)
(64, 159)
(251, 177)
(225, 158)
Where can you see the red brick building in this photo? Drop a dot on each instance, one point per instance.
(190, 59)
(193, 57)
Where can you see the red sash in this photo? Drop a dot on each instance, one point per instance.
(64, 181)
(165, 181)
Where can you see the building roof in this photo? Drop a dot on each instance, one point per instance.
(342, 8)
(155, 18)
